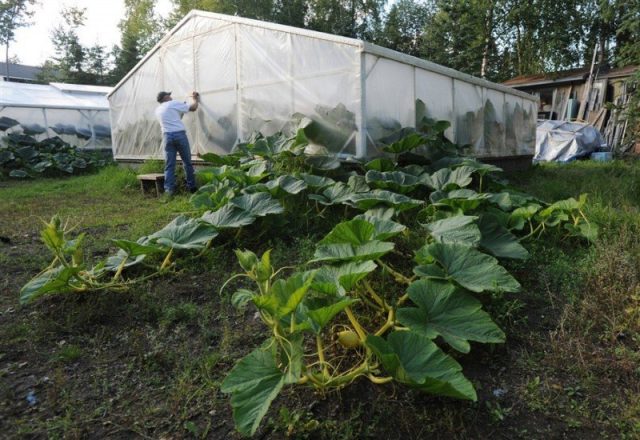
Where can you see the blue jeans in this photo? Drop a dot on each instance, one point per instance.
(177, 142)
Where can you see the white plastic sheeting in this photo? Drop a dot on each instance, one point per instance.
(77, 114)
(563, 141)
(258, 76)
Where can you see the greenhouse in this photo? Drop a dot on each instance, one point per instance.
(78, 114)
(258, 76)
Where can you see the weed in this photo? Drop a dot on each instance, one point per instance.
(182, 313)
(68, 353)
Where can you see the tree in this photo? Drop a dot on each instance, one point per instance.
(404, 25)
(14, 14)
(290, 12)
(460, 35)
(140, 31)
(350, 18)
(72, 61)
(261, 9)
(70, 54)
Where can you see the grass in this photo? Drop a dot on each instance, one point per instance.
(149, 362)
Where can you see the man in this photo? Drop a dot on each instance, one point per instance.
(169, 114)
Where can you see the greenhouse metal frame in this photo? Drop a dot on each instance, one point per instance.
(259, 76)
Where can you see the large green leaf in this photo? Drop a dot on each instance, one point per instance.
(583, 229)
(323, 163)
(6, 156)
(318, 318)
(384, 228)
(135, 248)
(444, 310)
(381, 164)
(499, 241)
(216, 159)
(258, 205)
(185, 233)
(353, 231)
(380, 197)
(402, 141)
(228, 217)
(53, 234)
(337, 280)
(284, 296)
(396, 181)
(348, 252)
(26, 153)
(351, 241)
(337, 193)
(479, 167)
(358, 184)
(19, 174)
(464, 200)
(253, 383)
(316, 182)
(414, 360)
(222, 173)
(447, 179)
(115, 261)
(256, 172)
(285, 185)
(213, 199)
(55, 280)
(468, 267)
(458, 229)
(510, 200)
(552, 216)
(520, 216)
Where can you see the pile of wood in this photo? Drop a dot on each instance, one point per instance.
(617, 125)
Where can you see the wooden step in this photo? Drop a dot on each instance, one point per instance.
(151, 183)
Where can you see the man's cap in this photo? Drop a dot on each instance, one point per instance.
(162, 95)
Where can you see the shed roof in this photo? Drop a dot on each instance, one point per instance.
(20, 72)
(57, 95)
(568, 76)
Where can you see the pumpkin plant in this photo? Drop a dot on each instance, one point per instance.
(329, 326)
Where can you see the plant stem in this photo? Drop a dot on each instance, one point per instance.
(167, 260)
(120, 268)
(356, 325)
(375, 296)
(397, 275)
(402, 299)
(325, 370)
(379, 380)
(391, 320)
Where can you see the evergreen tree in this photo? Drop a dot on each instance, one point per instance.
(74, 63)
(140, 31)
(349, 18)
(404, 26)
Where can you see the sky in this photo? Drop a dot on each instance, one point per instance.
(32, 44)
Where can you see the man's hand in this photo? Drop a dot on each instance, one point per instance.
(196, 98)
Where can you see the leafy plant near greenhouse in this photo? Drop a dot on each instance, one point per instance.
(24, 156)
(352, 311)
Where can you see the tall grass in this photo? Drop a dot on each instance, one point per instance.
(595, 290)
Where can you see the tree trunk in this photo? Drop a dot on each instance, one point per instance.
(488, 31)
(6, 58)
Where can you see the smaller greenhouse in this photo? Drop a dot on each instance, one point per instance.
(78, 114)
